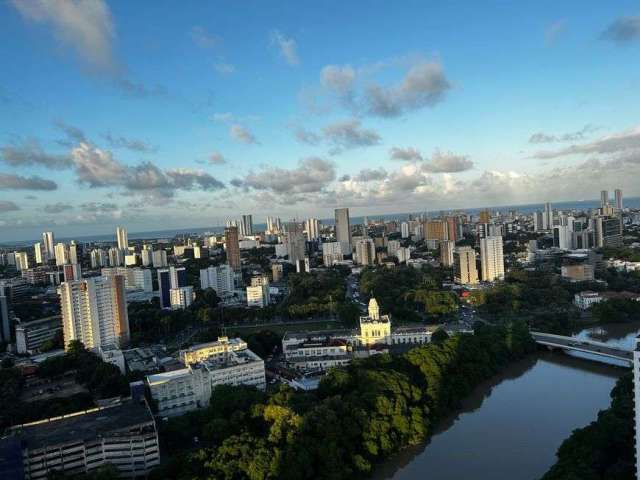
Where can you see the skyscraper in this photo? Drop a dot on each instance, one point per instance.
(312, 226)
(47, 240)
(446, 252)
(246, 226)
(295, 242)
(464, 264)
(232, 246)
(170, 279)
(122, 237)
(604, 198)
(343, 229)
(39, 253)
(22, 261)
(365, 252)
(547, 217)
(491, 259)
(618, 194)
(94, 311)
(61, 254)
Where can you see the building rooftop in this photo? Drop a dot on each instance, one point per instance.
(84, 425)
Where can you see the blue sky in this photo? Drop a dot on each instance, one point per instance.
(172, 114)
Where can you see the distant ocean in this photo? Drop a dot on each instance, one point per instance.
(583, 205)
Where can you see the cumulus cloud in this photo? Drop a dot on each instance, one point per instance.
(312, 174)
(241, 134)
(440, 162)
(338, 79)
(187, 179)
(202, 38)
(349, 134)
(7, 206)
(286, 46)
(216, 158)
(541, 137)
(305, 136)
(57, 208)
(85, 27)
(134, 144)
(623, 30)
(97, 167)
(72, 134)
(30, 153)
(424, 85)
(619, 142)
(224, 68)
(18, 182)
(370, 175)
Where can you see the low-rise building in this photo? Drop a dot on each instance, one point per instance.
(584, 300)
(31, 335)
(123, 435)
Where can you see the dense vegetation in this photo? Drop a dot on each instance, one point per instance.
(616, 310)
(603, 450)
(315, 293)
(408, 293)
(360, 415)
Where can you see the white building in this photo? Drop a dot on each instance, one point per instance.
(94, 311)
(446, 252)
(39, 253)
(584, 300)
(135, 278)
(122, 238)
(312, 227)
(22, 261)
(159, 259)
(116, 257)
(491, 258)
(331, 253)
(181, 297)
(317, 355)
(187, 389)
(98, 258)
(392, 247)
(49, 245)
(219, 278)
(404, 230)
(258, 296)
(403, 254)
(62, 254)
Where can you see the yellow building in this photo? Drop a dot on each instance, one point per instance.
(375, 328)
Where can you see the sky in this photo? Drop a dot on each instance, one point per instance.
(164, 114)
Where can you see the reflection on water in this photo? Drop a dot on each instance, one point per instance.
(512, 425)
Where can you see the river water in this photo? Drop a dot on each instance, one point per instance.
(512, 425)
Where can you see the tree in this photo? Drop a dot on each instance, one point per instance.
(439, 336)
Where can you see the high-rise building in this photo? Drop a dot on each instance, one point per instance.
(331, 253)
(219, 278)
(232, 246)
(71, 272)
(295, 242)
(274, 225)
(312, 226)
(61, 254)
(98, 258)
(365, 251)
(436, 230)
(5, 326)
(547, 217)
(562, 237)
(491, 259)
(75, 252)
(39, 253)
(446, 252)
(122, 238)
(538, 221)
(147, 256)
(343, 229)
(94, 311)
(49, 245)
(258, 296)
(181, 298)
(485, 216)
(404, 230)
(22, 261)
(608, 232)
(276, 272)
(618, 195)
(116, 257)
(604, 198)
(303, 265)
(452, 228)
(246, 226)
(169, 279)
(465, 270)
(159, 259)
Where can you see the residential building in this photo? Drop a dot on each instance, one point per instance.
(187, 389)
(258, 296)
(563, 237)
(403, 254)
(49, 246)
(547, 217)
(62, 254)
(453, 228)
(303, 265)
(94, 311)
(446, 253)
(404, 230)
(276, 272)
(181, 297)
(122, 434)
(232, 248)
(246, 226)
(98, 258)
(393, 246)
(343, 229)
(135, 278)
(295, 242)
(122, 238)
(604, 198)
(71, 272)
(39, 253)
(312, 227)
(332, 253)
(146, 256)
(5, 325)
(485, 216)
(75, 253)
(365, 252)
(116, 257)
(618, 197)
(220, 278)
(22, 261)
(274, 226)
(491, 259)
(464, 264)
(608, 231)
(159, 259)
(169, 279)
(436, 230)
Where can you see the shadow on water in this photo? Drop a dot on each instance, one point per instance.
(482, 392)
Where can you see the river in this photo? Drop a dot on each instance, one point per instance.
(511, 426)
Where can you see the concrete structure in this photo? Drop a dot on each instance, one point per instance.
(94, 311)
(277, 271)
(295, 242)
(586, 346)
(343, 229)
(123, 435)
(317, 355)
(618, 196)
(446, 253)
(122, 238)
(220, 278)
(31, 335)
(332, 253)
(98, 258)
(375, 328)
(170, 279)
(404, 230)
(365, 252)
(584, 300)
(49, 246)
(134, 278)
(258, 296)
(187, 389)
(22, 261)
(181, 297)
(312, 227)
(579, 272)
(246, 226)
(218, 349)
(232, 247)
(491, 259)
(464, 265)
(159, 259)
(608, 232)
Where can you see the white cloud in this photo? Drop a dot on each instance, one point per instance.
(242, 134)
(287, 47)
(216, 158)
(619, 142)
(18, 182)
(202, 38)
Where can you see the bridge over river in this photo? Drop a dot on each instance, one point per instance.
(585, 346)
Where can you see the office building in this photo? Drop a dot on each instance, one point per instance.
(181, 297)
(181, 391)
(365, 252)
(464, 264)
(331, 253)
(343, 229)
(219, 278)
(446, 253)
(122, 238)
(94, 311)
(618, 197)
(122, 434)
(39, 253)
(312, 227)
(49, 246)
(30, 336)
(169, 279)
(232, 247)
(491, 259)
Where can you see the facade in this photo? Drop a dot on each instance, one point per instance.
(618, 197)
(276, 272)
(295, 242)
(159, 259)
(491, 259)
(39, 253)
(318, 354)
(365, 252)
(312, 227)
(98, 258)
(547, 217)
(404, 230)
(122, 238)
(219, 278)
(5, 326)
(584, 300)
(135, 278)
(169, 279)
(187, 389)
(436, 230)
(232, 246)
(22, 261)
(246, 226)
(62, 254)
(331, 253)
(375, 328)
(181, 297)
(49, 246)
(578, 272)
(94, 311)
(446, 253)
(258, 296)
(217, 349)
(123, 435)
(343, 229)
(636, 389)
(464, 264)
(608, 232)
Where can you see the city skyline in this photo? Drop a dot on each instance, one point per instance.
(286, 117)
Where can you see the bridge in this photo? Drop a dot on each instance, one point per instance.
(586, 346)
